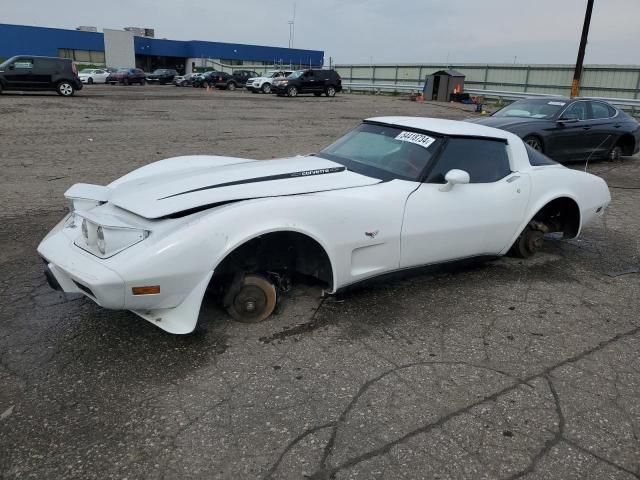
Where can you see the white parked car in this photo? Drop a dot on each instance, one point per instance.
(392, 194)
(93, 75)
(263, 84)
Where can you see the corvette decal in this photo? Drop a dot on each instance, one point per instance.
(282, 176)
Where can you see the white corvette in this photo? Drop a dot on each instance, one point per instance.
(392, 194)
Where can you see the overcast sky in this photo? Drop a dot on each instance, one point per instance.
(356, 31)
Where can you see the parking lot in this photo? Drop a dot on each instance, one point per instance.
(502, 369)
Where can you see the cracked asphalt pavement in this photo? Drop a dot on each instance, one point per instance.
(498, 369)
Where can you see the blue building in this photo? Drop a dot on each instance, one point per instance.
(89, 47)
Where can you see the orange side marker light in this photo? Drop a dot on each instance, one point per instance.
(148, 290)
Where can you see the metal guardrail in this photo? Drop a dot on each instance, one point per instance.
(393, 87)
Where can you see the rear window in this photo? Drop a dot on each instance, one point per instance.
(538, 159)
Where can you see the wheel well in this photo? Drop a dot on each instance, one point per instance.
(560, 215)
(627, 143)
(286, 252)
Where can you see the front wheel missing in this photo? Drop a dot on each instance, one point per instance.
(251, 299)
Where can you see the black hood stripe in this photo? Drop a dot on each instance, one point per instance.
(282, 176)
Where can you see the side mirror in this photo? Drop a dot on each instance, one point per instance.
(455, 177)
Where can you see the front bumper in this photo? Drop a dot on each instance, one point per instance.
(76, 271)
(110, 282)
(279, 88)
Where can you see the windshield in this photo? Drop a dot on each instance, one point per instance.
(87, 70)
(383, 152)
(296, 74)
(7, 62)
(531, 109)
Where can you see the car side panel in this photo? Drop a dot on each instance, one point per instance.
(551, 182)
(359, 229)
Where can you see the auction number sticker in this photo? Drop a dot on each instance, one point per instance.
(417, 138)
(557, 104)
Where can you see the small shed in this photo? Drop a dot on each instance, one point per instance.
(443, 84)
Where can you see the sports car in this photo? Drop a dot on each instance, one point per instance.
(569, 129)
(393, 194)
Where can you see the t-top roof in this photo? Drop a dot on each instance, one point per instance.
(445, 127)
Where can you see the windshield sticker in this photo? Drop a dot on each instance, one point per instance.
(558, 104)
(417, 138)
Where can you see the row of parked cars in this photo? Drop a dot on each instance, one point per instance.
(26, 72)
(282, 82)
(126, 76)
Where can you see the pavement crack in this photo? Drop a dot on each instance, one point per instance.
(326, 471)
(292, 444)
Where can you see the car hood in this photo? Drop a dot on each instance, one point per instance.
(162, 194)
(507, 123)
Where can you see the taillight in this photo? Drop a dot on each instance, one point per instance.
(73, 68)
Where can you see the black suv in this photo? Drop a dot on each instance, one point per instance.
(309, 81)
(208, 79)
(237, 79)
(25, 72)
(162, 75)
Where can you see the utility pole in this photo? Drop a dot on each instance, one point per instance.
(575, 85)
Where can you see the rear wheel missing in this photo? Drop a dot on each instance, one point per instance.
(529, 242)
(251, 299)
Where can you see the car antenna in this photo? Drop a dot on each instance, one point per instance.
(586, 164)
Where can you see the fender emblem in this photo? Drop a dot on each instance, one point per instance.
(372, 234)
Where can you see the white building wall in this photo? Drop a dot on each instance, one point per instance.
(118, 48)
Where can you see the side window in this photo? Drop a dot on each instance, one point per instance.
(23, 64)
(485, 161)
(601, 110)
(576, 110)
(44, 65)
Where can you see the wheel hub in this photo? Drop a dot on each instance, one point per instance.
(250, 300)
(534, 241)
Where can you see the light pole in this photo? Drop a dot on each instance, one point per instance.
(292, 27)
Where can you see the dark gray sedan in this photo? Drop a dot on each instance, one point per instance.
(569, 129)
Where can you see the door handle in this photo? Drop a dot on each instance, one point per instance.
(586, 128)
